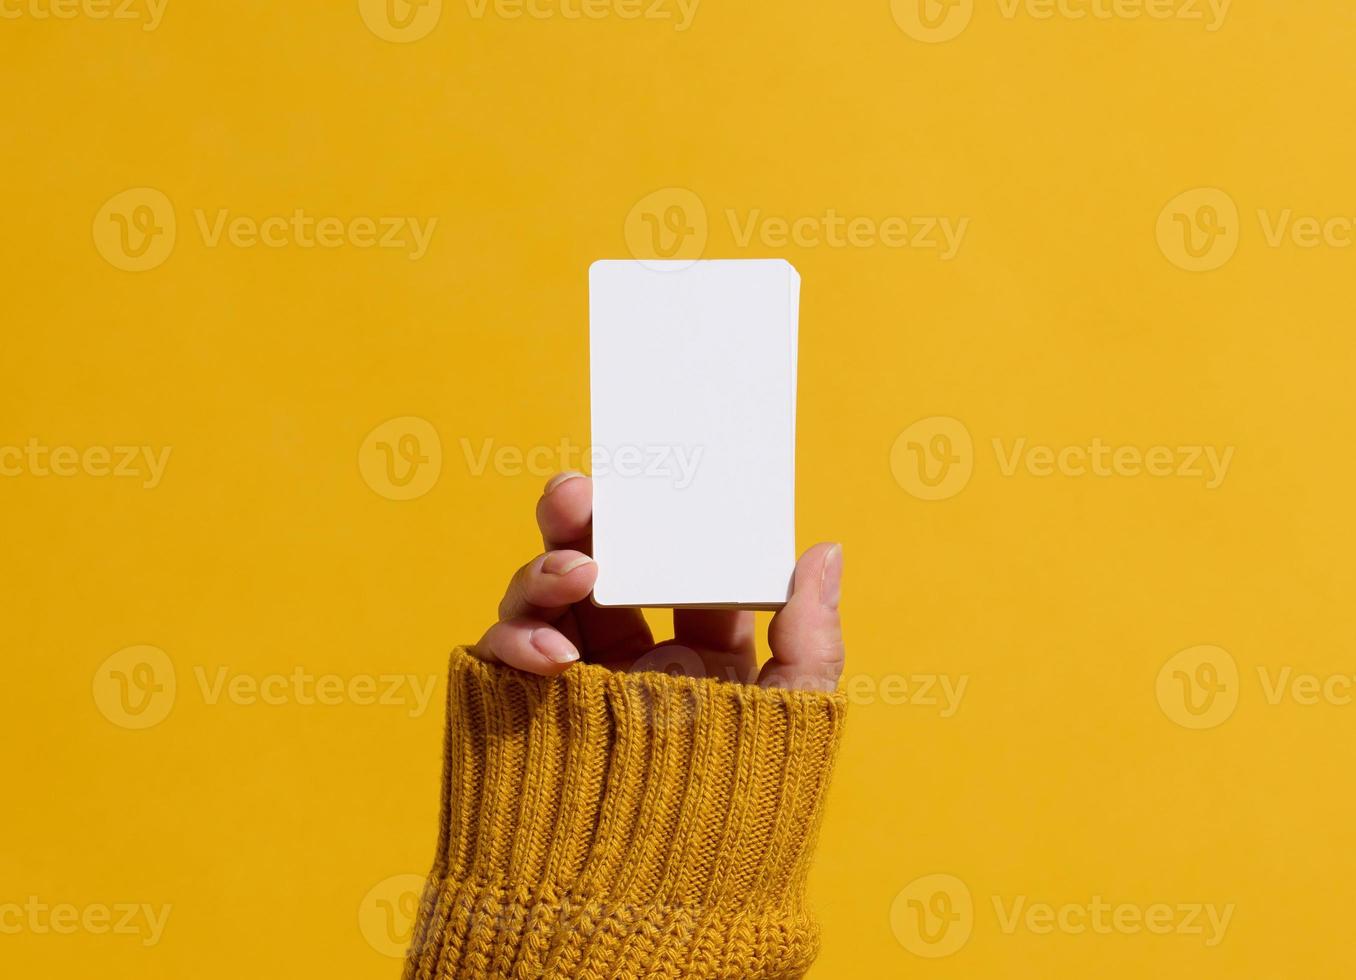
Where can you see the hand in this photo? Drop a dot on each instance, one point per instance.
(547, 621)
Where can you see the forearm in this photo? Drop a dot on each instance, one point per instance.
(624, 824)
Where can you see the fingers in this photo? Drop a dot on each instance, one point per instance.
(565, 516)
(806, 635)
(565, 511)
(727, 630)
(723, 638)
(539, 594)
(527, 644)
(545, 586)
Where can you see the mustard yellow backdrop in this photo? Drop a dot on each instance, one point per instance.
(294, 328)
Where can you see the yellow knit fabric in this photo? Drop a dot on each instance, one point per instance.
(614, 825)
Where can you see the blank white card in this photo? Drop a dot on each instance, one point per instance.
(693, 370)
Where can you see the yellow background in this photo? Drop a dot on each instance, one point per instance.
(264, 548)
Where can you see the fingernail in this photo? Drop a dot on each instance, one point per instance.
(831, 581)
(560, 478)
(563, 562)
(553, 646)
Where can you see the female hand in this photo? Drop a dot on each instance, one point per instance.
(547, 621)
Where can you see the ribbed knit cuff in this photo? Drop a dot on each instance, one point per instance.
(604, 824)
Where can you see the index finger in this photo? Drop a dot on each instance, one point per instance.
(565, 516)
(565, 512)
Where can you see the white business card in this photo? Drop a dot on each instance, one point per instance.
(693, 380)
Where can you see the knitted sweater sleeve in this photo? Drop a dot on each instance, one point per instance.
(604, 824)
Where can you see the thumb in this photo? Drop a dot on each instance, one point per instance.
(806, 635)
